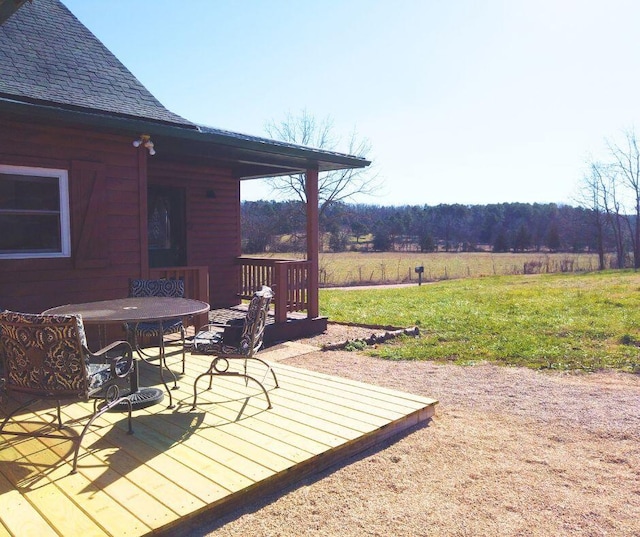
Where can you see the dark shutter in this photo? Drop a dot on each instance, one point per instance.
(88, 195)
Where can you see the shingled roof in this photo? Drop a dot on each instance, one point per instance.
(47, 56)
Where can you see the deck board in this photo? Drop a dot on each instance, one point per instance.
(184, 466)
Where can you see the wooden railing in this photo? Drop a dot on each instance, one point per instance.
(196, 284)
(288, 279)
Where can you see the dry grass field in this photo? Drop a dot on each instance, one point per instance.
(366, 268)
(357, 268)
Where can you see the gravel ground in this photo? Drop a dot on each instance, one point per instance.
(510, 451)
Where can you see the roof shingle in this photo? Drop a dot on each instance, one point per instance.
(48, 56)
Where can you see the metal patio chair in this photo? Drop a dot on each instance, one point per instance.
(210, 340)
(45, 357)
(156, 330)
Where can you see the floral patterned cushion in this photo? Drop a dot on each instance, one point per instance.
(47, 353)
(99, 374)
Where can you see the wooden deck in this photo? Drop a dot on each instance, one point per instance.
(184, 467)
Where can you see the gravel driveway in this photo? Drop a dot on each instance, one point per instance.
(510, 451)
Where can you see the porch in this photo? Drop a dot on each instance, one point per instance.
(295, 304)
(183, 467)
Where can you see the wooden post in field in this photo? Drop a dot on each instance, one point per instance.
(313, 241)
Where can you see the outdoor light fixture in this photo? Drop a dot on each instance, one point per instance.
(145, 140)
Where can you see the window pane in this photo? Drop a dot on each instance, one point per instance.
(30, 233)
(34, 212)
(24, 192)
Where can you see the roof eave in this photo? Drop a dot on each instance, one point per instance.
(253, 157)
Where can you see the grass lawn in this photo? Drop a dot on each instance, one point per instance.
(558, 321)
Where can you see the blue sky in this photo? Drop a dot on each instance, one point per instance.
(462, 101)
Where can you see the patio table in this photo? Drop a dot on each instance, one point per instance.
(137, 310)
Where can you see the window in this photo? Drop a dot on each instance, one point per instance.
(34, 213)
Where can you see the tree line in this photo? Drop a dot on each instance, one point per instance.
(504, 227)
(606, 220)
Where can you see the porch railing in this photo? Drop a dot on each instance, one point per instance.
(196, 284)
(288, 279)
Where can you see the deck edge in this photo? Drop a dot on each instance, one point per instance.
(298, 473)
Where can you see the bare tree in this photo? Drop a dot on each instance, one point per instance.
(333, 186)
(596, 196)
(626, 160)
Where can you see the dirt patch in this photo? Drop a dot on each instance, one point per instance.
(510, 451)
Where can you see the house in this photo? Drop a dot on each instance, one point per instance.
(100, 183)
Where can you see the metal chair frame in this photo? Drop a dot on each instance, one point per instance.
(157, 288)
(45, 357)
(251, 341)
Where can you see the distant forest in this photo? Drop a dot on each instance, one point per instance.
(269, 226)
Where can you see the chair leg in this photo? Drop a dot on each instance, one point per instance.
(78, 441)
(210, 374)
(269, 370)
(247, 378)
(266, 393)
(107, 406)
(59, 414)
(195, 388)
(163, 364)
(212, 370)
(184, 354)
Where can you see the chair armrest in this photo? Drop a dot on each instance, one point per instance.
(121, 365)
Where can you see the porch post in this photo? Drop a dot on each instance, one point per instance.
(142, 203)
(313, 241)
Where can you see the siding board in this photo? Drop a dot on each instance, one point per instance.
(103, 178)
(106, 229)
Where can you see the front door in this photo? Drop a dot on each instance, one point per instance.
(166, 227)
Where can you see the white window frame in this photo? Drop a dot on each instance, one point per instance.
(63, 190)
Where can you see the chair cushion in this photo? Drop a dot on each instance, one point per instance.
(98, 374)
(163, 288)
(153, 329)
(207, 341)
(16, 316)
(43, 352)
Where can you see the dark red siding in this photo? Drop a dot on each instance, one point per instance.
(213, 223)
(105, 230)
(107, 186)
